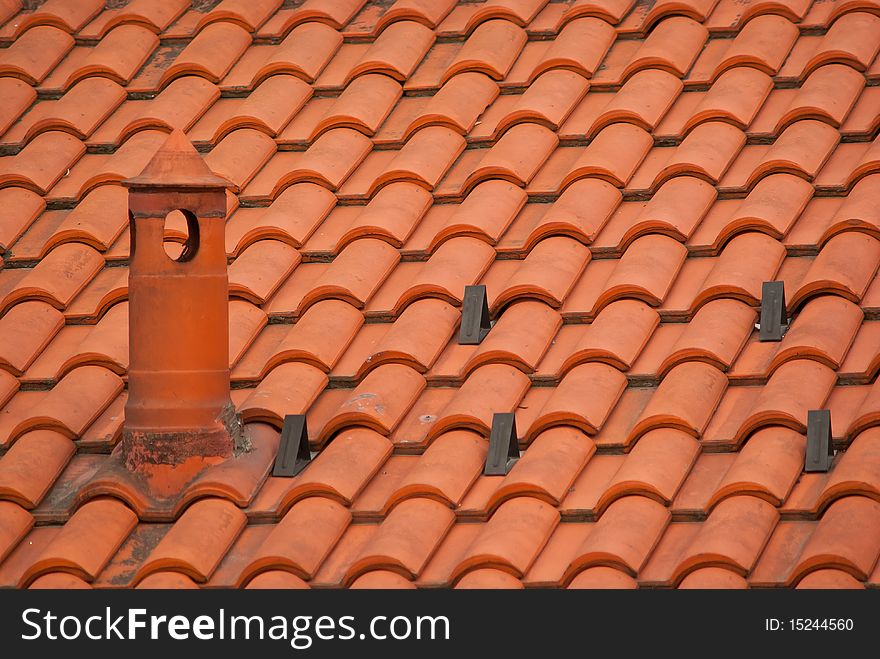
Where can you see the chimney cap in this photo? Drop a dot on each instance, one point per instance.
(177, 165)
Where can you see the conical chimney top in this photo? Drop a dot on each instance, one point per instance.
(177, 165)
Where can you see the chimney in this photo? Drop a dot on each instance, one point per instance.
(178, 379)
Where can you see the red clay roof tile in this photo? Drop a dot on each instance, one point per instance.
(35, 54)
(427, 12)
(671, 46)
(382, 580)
(304, 53)
(746, 262)
(613, 155)
(489, 389)
(301, 540)
(379, 402)
(696, 9)
(155, 15)
(852, 40)
(396, 52)
(623, 537)
(247, 13)
(601, 577)
(766, 467)
(287, 389)
(197, 542)
(488, 578)
(42, 162)
(446, 469)
(19, 96)
(25, 330)
(275, 579)
(59, 580)
(307, 340)
(97, 221)
(716, 545)
(512, 538)
(86, 543)
(32, 465)
(713, 577)
(856, 471)
(547, 469)
(201, 56)
(832, 272)
(118, 56)
(406, 539)
(520, 337)
(611, 10)
(685, 399)
(69, 17)
(763, 43)
(716, 334)
(827, 579)
(491, 49)
(826, 547)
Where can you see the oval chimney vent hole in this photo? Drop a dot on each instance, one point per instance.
(181, 235)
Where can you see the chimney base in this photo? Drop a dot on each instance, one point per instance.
(224, 439)
(159, 491)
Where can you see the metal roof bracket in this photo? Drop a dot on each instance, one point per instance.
(293, 451)
(774, 320)
(503, 448)
(475, 324)
(820, 452)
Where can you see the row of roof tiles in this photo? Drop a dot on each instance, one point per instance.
(55, 164)
(43, 473)
(826, 325)
(420, 543)
(278, 108)
(357, 18)
(496, 212)
(393, 397)
(559, 271)
(499, 49)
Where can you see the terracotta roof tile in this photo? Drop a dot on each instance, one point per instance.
(671, 46)
(63, 15)
(643, 100)
(156, 15)
(201, 56)
(824, 548)
(848, 276)
(512, 538)
(301, 540)
(580, 46)
(287, 389)
(197, 541)
(86, 543)
(33, 56)
(852, 39)
(623, 537)
(25, 330)
(716, 334)
(491, 49)
(601, 577)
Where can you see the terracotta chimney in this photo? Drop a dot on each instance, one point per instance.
(178, 379)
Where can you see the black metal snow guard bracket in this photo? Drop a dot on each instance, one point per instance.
(503, 448)
(293, 450)
(475, 324)
(820, 452)
(774, 320)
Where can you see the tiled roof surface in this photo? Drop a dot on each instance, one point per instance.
(622, 176)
